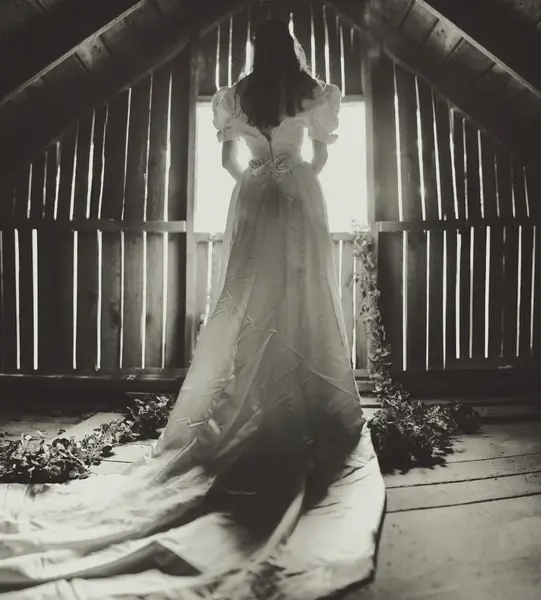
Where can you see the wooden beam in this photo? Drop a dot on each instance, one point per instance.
(58, 36)
(489, 111)
(494, 30)
(40, 129)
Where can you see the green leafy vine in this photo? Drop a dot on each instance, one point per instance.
(405, 432)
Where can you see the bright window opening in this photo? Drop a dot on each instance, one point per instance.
(344, 178)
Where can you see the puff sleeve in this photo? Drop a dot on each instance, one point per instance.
(223, 105)
(324, 118)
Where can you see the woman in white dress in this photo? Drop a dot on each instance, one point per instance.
(264, 483)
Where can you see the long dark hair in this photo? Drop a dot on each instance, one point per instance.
(278, 79)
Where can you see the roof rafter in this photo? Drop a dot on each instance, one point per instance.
(487, 110)
(44, 47)
(494, 30)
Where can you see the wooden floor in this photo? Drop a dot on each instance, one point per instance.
(467, 530)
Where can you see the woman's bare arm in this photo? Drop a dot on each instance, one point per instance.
(230, 163)
(320, 156)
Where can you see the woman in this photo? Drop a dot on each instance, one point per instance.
(264, 482)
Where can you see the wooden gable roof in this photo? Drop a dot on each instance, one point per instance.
(62, 57)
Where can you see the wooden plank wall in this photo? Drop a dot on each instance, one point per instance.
(93, 238)
(98, 267)
(458, 245)
(333, 49)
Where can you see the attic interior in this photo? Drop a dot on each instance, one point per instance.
(107, 275)
(98, 141)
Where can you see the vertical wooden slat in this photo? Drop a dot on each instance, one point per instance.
(495, 292)
(87, 300)
(223, 57)
(450, 244)
(87, 268)
(445, 173)
(202, 253)
(61, 251)
(435, 300)
(319, 40)
(463, 310)
(429, 151)
(302, 26)
(111, 312)
(409, 157)
(155, 209)
(457, 129)
(23, 209)
(98, 150)
(114, 176)
(134, 211)
(238, 55)
(38, 189)
(180, 330)
(333, 32)
(478, 288)
(113, 202)
(505, 184)
(256, 16)
(510, 283)
(53, 160)
(536, 329)
(527, 257)
(519, 190)
(216, 266)
(8, 345)
(384, 138)
(416, 301)
(47, 293)
(336, 258)
(208, 46)
(84, 143)
(473, 188)
(390, 259)
(352, 61)
(488, 183)
(347, 288)
(68, 149)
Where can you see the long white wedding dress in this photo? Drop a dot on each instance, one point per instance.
(264, 484)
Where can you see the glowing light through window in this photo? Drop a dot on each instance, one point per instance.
(343, 179)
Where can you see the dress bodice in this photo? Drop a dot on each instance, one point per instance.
(319, 117)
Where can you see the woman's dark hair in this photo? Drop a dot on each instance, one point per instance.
(278, 79)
